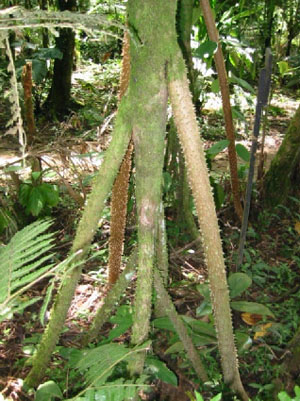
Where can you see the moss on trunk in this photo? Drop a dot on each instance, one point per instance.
(149, 89)
(84, 235)
(283, 176)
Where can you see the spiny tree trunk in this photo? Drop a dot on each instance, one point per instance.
(149, 88)
(186, 123)
(84, 235)
(283, 176)
(156, 59)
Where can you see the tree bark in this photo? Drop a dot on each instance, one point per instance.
(59, 99)
(283, 176)
(149, 89)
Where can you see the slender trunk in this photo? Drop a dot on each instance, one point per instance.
(119, 195)
(28, 104)
(222, 75)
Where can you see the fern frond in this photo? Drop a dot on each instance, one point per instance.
(15, 18)
(97, 365)
(21, 262)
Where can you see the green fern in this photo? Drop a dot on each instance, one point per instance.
(97, 366)
(22, 263)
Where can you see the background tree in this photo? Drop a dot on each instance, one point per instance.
(59, 98)
(283, 177)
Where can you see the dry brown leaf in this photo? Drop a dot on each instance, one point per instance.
(297, 227)
(263, 330)
(251, 318)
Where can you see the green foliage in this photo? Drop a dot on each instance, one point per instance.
(22, 262)
(206, 50)
(198, 397)
(48, 391)
(211, 153)
(251, 307)
(160, 371)
(283, 396)
(242, 152)
(99, 366)
(122, 321)
(37, 196)
(238, 283)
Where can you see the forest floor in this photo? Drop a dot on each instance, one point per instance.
(73, 150)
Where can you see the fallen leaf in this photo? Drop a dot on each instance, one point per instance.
(263, 330)
(251, 318)
(297, 227)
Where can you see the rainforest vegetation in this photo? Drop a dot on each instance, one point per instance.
(149, 200)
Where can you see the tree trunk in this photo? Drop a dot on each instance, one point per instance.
(283, 176)
(59, 99)
(149, 89)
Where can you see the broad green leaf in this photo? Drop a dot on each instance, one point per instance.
(200, 327)
(283, 396)
(39, 70)
(48, 391)
(163, 323)
(48, 53)
(35, 202)
(160, 370)
(24, 192)
(219, 194)
(203, 289)
(283, 67)
(120, 329)
(251, 307)
(215, 86)
(217, 397)
(237, 114)
(50, 193)
(242, 152)
(175, 348)
(198, 396)
(297, 391)
(167, 181)
(238, 283)
(206, 50)
(217, 147)
(36, 175)
(204, 309)
(73, 355)
(243, 341)
(201, 339)
(242, 83)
